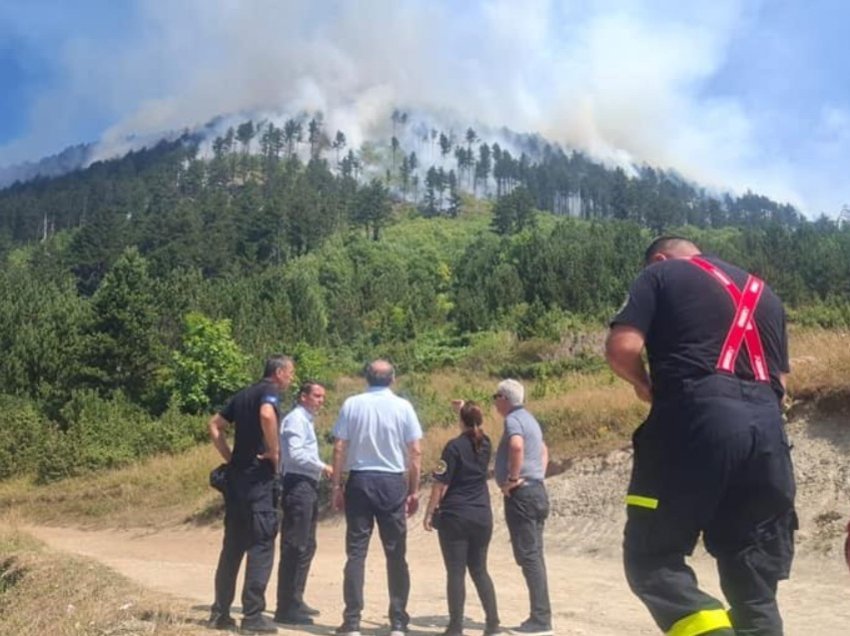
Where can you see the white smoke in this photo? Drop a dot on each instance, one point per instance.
(622, 80)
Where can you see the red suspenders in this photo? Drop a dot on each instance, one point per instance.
(743, 327)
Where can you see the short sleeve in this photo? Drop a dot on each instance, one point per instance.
(513, 426)
(447, 466)
(638, 310)
(229, 412)
(785, 364)
(412, 428)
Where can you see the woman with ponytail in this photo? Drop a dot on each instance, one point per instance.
(460, 510)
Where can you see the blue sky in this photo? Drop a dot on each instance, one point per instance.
(736, 95)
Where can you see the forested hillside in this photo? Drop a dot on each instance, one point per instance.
(147, 288)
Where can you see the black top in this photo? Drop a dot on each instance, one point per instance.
(465, 472)
(244, 410)
(685, 314)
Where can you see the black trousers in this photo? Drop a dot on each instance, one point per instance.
(526, 511)
(464, 545)
(714, 460)
(371, 497)
(297, 540)
(250, 526)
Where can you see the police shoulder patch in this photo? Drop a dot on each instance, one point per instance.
(441, 468)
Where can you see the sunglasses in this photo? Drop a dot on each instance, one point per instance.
(497, 395)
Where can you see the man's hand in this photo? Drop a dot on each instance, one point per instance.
(269, 455)
(509, 486)
(338, 499)
(328, 471)
(412, 504)
(457, 405)
(426, 521)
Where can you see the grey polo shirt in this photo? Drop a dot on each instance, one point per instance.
(521, 422)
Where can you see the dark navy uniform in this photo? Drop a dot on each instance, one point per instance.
(250, 521)
(712, 457)
(465, 527)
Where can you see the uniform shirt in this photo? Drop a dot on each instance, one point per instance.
(685, 315)
(465, 473)
(244, 411)
(299, 448)
(521, 422)
(378, 425)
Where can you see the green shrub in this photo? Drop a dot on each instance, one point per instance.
(22, 432)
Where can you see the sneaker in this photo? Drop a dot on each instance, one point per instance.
(221, 621)
(452, 631)
(258, 624)
(398, 630)
(293, 618)
(532, 629)
(347, 630)
(492, 630)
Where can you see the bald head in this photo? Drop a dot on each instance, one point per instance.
(665, 247)
(380, 373)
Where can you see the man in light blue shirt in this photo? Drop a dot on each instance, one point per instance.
(301, 468)
(377, 440)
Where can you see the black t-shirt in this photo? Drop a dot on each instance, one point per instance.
(685, 314)
(244, 411)
(465, 473)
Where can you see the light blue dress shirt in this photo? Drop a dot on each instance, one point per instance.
(299, 448)
(378, 425)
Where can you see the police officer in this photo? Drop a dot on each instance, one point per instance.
(250, 521)
(460, 509)
(301, 469)
(712, 456)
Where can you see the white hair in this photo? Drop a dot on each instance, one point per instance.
(512, 391)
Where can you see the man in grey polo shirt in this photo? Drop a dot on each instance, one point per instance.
(521, 460)
(301, 469)
(378, 443)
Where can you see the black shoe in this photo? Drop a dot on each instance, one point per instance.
(492, 630)
(532, 629)
(258, 624)
(293, 618)
(217, 620)
(398, 630)
(306, 609)
(347, 630)
(452, 631)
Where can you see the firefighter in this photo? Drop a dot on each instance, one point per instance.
(712, 457)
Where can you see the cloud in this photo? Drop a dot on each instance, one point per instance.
(625, 81)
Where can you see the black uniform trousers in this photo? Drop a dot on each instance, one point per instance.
(713, 459)
(526, 511)
(373, 496)
(250, 526)
(297, 540)
(464, 543)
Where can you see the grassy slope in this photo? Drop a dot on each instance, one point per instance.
(582, 414)
(44, 592)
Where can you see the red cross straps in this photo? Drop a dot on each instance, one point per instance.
(743, 328)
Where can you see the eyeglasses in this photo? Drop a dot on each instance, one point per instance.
(497, 396)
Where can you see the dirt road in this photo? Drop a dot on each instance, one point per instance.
(589, 593)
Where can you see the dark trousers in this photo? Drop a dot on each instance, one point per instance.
(371, 497)
(526, 511)
(464, 545)
(714, 460)
(250, 526)
(297, 540)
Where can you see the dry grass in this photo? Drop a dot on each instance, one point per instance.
(44, 592)
(820, 363)
(581, 413)
(159, 491)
